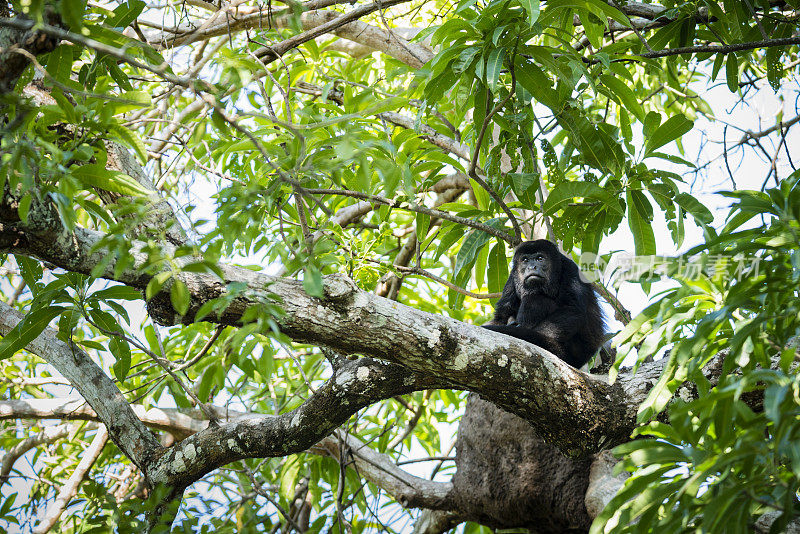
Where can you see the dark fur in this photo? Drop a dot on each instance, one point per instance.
(559, 313)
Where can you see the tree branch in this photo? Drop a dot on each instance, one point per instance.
(70, 487)
(270, 54)
(408, 490)
(353, 386)
(517, 376)
(720, 49)
(405, 205)
(48, 435)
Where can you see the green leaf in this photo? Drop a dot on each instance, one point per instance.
(675, 127)
(480, 266)
(639, 214)
(535, 81)
(96, 175)
(122, 355)
(532, 8)
(59, 63)
(131, 140)
(497, 270)
(565, 192)
(27, 330)
(451, 233)
(423, 225)
(207, 381)
(125, 14)
(155, 284)
(72, 12)
(525, 185)
(494, 65)
(288, 477)
(695, 208)
(179, 296)
(732, 72)
(624, 94)
(116, 292)
(312, 281)
(481, 195)
(469, 251)
(24, 207)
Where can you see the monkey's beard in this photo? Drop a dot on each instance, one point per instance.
(534, 281)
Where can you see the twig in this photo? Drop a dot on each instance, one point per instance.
(48, 435)
(160, 70)
(423, 272)
(270, 54)
(479, 141)
(398, 204)
(721, 49)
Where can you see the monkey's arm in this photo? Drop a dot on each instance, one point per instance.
(552, 333)
(546, 340)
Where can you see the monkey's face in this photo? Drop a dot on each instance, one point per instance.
(534, 270)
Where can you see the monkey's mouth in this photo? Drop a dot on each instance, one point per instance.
(533, 278)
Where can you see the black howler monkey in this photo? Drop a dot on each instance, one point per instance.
(546, 303)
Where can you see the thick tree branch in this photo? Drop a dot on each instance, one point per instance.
(389, 42)
(269, 54)
(353, 386)
(409, 490)
(519, 377)
(172, 420)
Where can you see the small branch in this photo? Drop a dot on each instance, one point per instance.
(782, 125)
(415, 208)
(633, 26)
(720, 49)
(426, 274)
(354, 385)
(474, 162)
(412, 423)
(70, 487)
(270, 54)
(408, 490)
(162, 70)
(48, 435)
(426, 132)
(621, 313)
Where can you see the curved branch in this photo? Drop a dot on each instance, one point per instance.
(270, 54)
(408, 490)
(18, 34)
(48, 435)
(353, 386)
